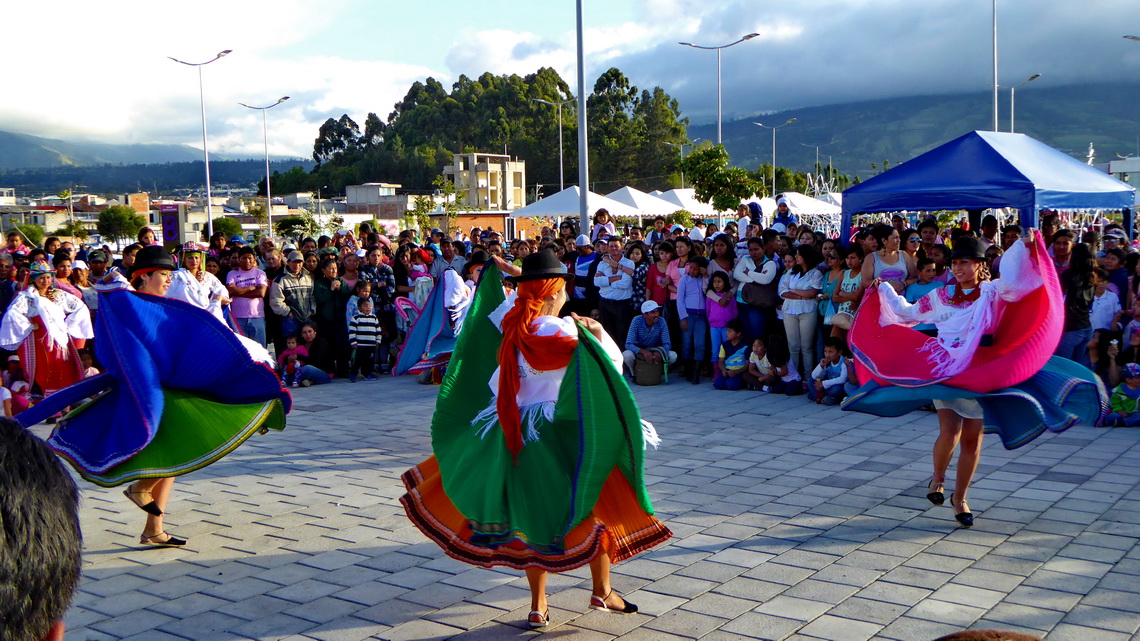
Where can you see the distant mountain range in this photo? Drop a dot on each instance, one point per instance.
(24, 151)
(898, 129)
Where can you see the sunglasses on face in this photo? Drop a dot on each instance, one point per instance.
(914, 239)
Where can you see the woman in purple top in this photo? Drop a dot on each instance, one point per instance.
(888, 264)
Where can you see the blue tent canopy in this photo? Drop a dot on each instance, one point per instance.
(984, 170)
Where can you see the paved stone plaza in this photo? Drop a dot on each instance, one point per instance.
(791, 521)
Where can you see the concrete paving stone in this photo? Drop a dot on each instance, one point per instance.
(910, 629)
(838, 628)
(323, 610)
(1104, 618)
(968, 595)
(823, 591)
(118, 605)
(685, 623)
(894, 593)
(867, 610)
(757, 625)
(794, 608)
(719, 605)
(255, 607)
(346, 629)
(288, 574)
(1006, 565)
(710, 571)
(1034, 618)
(917, 577)
(332, 560)
(305, 591)
(957, 614)
(394, 612)
(205, 625)
(1078, 567)
(680, 586)
(937, 563)
(1069, 632)
(1106, 598)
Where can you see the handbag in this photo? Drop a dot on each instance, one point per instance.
(762, 296)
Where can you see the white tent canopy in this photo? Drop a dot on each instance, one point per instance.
(646, 204)
(566, 203)
(814, 213)
(686, 199)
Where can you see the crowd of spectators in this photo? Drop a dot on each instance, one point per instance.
(746, 307)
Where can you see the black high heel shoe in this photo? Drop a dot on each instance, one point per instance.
(934, 492)
(965, 517)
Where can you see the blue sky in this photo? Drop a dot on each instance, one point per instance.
(106, 77)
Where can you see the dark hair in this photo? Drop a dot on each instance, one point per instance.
(1009, 228)
(1064, 233)
(729, 249)
(63, 254)
(638, 245)
(246, 250)
(683, 239)
(328, 260)
(735, 325)
(812, 258)
(1118, 252)
(142, 232)
(40, 550)
(36, 252)
(17, 234)
(699, 261)
(923, 262)
(669, 246)
(906, 233)
(835, 342)
(132, 248)
(49, 239)
(778, 352)
(882, 232)
(722, 276)
(1081, 266)
(601, 211)
(929, 222)
(767, 236)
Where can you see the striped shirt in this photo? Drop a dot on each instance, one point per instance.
(364, 330)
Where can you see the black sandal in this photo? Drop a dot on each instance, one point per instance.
(599, 603)
(965, 517)
(935, 490)
(169, 542)
(150, 508)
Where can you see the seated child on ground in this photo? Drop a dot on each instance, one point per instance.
(733, 358)
(786, 379)
(1125, 401)
(830, 374)
(291, 360)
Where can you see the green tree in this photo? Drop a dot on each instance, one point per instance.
(715, 182)
(72, 228)
(293, 226)
(118, 222)
(422, 206)
(32, 232)
(225, 225)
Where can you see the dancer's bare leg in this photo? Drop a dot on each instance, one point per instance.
(968, 454)
(160, 490)
(537, 580)
(949, 433)
(600, 573)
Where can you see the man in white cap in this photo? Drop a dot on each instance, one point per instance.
(648, 336)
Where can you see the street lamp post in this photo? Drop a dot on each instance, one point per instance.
(995, 66)
(681, 146)
(774, 128)
(1011, 95)
(718, 50)
(817, 148)
(561, 180)
(265, 140)
(205, 148)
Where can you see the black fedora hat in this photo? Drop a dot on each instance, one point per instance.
(539, 265)
(476, 259)
(152, 257)
(968, 247)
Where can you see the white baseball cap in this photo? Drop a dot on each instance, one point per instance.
(649, 306)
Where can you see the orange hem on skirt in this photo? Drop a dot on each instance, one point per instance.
(617, 524)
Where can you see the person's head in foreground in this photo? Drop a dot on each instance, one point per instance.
(40, 540)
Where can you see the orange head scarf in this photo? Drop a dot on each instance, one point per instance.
(543, 353)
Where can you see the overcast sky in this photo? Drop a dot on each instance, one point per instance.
(98, 71)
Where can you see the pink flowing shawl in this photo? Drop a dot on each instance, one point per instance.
(1027, 333)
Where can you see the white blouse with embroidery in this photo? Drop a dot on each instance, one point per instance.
(205, 293)
(66, 316)
(961, 326)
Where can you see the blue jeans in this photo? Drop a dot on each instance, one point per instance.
(717, 337)
(314, 375)
(1116, 420)
(290, 327)
(829, 395)
(693, 338)
(253, 328)
(1075, 346)
(720, 381)
(755, 322)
